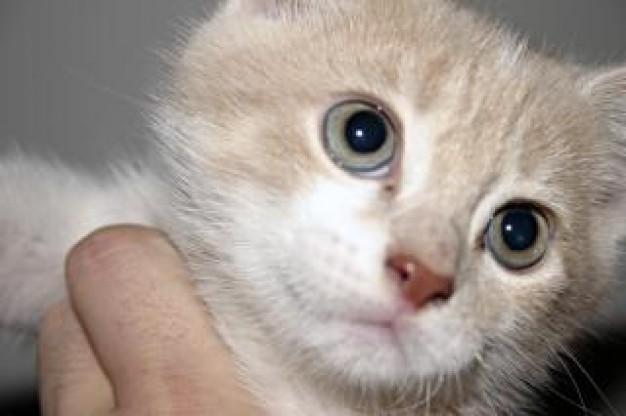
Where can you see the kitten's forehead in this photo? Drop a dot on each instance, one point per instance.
(491, 108)
(508, 124)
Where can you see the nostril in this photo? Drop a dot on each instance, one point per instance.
(418, 284)
(402, 267)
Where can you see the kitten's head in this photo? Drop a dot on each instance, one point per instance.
(394, 191)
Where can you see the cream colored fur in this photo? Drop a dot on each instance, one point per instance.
(289, 250)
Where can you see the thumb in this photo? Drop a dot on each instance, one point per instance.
(71, 381)
(151, 333)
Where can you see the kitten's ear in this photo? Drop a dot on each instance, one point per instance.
(607, 91)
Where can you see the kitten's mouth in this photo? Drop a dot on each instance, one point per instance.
(392, 325)
(376, 331)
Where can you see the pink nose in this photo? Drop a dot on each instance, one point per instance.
(419, 285)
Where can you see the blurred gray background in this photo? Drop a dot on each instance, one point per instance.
(75, 76)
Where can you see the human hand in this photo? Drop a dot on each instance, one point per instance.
(133, 338)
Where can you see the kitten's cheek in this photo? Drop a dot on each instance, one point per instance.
(507, 291)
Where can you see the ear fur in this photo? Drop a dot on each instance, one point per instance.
(607, 91)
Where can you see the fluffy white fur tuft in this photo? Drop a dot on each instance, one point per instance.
(46, 208)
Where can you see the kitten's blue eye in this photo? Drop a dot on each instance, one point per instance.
(359, 138)
(518, 237)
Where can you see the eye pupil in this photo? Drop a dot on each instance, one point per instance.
(366, 132)
(519, 229)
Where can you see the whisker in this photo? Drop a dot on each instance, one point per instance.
(428, 399)
(568, 400)
(73, 72)
(557, 393)
(573, 380)
(593, 383)
(480, 361)
(459, 387)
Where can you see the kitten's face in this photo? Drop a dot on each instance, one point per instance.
(465, 139)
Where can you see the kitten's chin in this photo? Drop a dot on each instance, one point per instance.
(406, 350)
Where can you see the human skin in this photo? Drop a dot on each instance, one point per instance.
(132, 338)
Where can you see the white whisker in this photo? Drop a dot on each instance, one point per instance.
(593, 383)
(74, 73)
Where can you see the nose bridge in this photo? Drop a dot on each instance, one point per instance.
(428, 235)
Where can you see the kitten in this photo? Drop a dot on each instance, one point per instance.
(392, 207)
